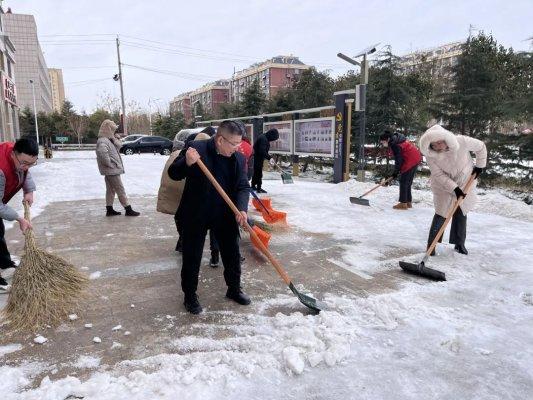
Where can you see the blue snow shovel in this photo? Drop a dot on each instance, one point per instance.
(306, 300)
(420, 268)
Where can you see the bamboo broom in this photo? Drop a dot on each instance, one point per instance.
(45, 289)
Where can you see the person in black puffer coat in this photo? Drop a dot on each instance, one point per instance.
(261, 153)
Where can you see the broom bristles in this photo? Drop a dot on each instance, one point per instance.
(45, 289)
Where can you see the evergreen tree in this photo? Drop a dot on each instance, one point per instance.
(253, 100)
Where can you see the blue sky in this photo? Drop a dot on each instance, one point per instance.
(206, 40)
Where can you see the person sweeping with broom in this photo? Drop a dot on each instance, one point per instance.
(451, 165)
(15, 161)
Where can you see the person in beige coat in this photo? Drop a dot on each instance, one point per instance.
(450, 162)
(111, 167)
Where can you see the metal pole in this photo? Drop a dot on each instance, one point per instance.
(35, 111)
(362, 124)
(124, 123)
(150, 115)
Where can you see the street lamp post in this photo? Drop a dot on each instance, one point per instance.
(360, 94)
(150, 113)
(35, 111)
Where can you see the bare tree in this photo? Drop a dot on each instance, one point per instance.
(78, 125)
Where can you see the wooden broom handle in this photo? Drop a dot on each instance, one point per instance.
(377, 186)
(229, 202)
(456, 205)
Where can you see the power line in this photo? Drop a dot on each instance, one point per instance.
(172, 73)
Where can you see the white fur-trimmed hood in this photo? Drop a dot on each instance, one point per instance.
(107, 129)
(434, 134)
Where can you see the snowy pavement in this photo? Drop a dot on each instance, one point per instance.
(470, 337)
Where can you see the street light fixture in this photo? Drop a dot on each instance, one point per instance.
(35, 112)
(360, 93)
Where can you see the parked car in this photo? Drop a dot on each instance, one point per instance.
(132, 138)
(179, 139)
(148, 144)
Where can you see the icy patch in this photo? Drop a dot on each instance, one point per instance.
(95, 275)
(40, 339)
(96, 339)
(85, 361)
(10, 348)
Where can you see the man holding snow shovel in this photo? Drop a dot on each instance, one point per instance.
(202, 208)
(15, 161)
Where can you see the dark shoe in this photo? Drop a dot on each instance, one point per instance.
(179, 245)
(130, 212)
(3, 282)
(12, 265)
(111, 212)
(4, 286)
(214, 259)
(461, 249)
(238, 296)
(261, 191)
(192, 304)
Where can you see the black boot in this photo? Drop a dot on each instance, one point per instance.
(192, 304)
(130, 212)
(214, 259)
(3, 282)
(179, 245)
(238, 296)
(259, 190)
(111, 212)
(436, 224)
(461, 249)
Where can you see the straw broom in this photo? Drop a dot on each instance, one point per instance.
(45, 287)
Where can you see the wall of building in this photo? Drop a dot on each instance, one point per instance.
(31, 64)
(9, 125)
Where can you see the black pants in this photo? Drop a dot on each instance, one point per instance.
(193, 245)
(406, 181)
(257, 177)
(213, 245)
(457, 231)
(5, 257)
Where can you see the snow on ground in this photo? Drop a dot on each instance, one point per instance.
(468, 338)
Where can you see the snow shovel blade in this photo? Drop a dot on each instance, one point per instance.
(286, 177)
(360, 201)
(422, 270)
(307, 301)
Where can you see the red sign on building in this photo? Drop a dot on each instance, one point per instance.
(10, 91)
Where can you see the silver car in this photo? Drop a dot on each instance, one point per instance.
(181, 136)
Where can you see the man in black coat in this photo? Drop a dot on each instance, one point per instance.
(261, 153)
(202, 208)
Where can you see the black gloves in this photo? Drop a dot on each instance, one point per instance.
(459, 193)
(477, 171)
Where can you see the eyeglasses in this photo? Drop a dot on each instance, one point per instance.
(231, 143)
(25, 163)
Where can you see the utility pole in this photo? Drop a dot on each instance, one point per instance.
(124, 123)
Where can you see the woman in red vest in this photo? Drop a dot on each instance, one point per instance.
(406, 160)
(15, 161)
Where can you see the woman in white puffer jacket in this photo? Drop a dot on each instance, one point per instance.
(450, 163)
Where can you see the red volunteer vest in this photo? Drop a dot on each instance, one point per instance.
(7, 166)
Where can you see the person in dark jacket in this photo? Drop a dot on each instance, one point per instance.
(406, 160)
(202, 208)
(261, 153)
(15, 161)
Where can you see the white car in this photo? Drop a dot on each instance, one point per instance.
(181, 136)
